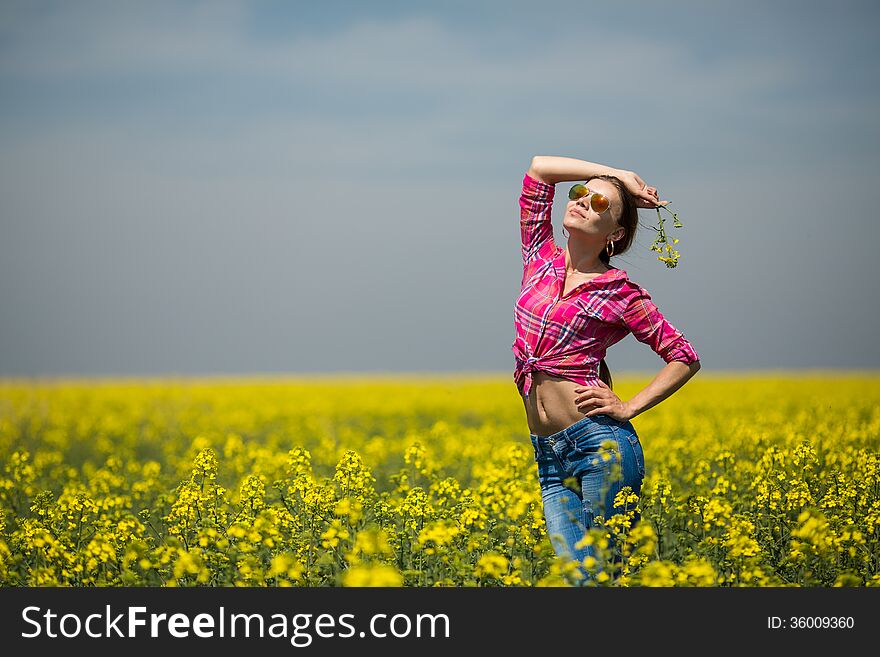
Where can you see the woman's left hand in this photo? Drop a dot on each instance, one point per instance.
(601, 400)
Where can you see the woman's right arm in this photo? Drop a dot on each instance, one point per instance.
(552, 169)
(535, 207)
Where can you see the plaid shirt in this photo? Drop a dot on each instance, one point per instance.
(568, 337)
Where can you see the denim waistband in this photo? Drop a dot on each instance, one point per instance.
(573, 429)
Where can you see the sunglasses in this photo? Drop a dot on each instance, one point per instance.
(599, 202)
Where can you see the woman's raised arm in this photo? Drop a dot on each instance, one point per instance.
(552, 169)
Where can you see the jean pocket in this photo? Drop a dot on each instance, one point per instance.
(636, 445)
(588, 441)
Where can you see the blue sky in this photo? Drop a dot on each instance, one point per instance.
(239, 187)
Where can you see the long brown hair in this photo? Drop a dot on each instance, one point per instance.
(629, 221)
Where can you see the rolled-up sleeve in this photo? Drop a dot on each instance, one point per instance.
(647, 324)
(536, 227)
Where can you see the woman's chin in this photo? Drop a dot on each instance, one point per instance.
(575, 227)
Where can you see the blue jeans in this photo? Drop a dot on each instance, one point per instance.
(577, 476)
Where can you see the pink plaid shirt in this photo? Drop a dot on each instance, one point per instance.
(568, 337)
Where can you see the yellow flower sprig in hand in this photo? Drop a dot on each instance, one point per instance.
(671, 259)
(646, 198)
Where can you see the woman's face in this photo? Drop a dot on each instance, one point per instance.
(581, 217)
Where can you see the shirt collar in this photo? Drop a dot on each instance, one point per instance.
(610, 275)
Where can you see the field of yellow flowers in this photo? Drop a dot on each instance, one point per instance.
(767, 479)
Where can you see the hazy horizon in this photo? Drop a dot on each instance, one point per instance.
(262, 188)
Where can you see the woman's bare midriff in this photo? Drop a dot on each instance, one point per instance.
(550, 405)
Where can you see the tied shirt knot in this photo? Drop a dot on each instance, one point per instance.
(527, 366)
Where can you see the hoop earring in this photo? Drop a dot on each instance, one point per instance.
(563, 232)
(611, 244)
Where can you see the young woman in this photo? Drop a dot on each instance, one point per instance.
(573, 306)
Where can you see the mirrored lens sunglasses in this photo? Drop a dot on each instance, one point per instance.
(599, 202)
